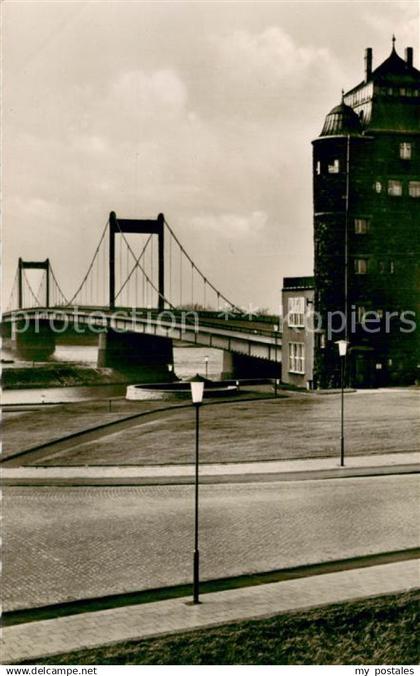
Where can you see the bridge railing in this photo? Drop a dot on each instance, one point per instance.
(210, 319)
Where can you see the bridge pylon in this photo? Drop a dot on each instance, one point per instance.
(33, 265)
(148, 226)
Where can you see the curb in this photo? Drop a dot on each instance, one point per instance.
(260, 477)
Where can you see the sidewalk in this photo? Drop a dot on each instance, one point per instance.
(52, 637)
(272, 470)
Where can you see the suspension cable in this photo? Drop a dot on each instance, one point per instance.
(141, 268)
(180, 280)
(170, 267)
(220, 295)
(41, 286)
(36, 299)
(59, 289)
(70, 302)
(135, 266)
(13, 290)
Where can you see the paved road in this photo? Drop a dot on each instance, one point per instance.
(63, 544)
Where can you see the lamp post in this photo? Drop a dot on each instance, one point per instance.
(276, 380)
(197, 388)
(206, 362)
(342, 351)
(170, 368)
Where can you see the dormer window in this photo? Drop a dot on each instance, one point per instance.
(405, 151)
(334, 167)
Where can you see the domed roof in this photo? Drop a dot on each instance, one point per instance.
(341, 120)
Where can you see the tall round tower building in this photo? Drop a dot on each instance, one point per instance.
(366, 188)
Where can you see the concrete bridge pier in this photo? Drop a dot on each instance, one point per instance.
(136, 354)
(241, 366)
(33, 340)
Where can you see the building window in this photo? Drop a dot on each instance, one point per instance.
(296, 311)
(405, 151)
(360, 266)
(334, 167)
(318, 167)
(414, 188)
(297, 357)
(391, 267)
(381, 267)
(377, 186)
(394, 188)
(361, 226)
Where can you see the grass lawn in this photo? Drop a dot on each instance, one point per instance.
(374, 631)
(381, 422)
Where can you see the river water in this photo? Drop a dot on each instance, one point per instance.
(187, 362)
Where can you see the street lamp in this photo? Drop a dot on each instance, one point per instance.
(170, 368)
(276, 381)
(197, 389)
(206, 361)
(342, 351)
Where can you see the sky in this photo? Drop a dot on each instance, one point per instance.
(204, 111)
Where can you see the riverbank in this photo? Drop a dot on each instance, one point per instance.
(49, 375)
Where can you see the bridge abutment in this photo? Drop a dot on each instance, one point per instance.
(136, 353)
(241, 366)
(33, 340)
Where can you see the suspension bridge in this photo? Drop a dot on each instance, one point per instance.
(140, 294)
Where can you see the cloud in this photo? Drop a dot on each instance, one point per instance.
(264, 73)
(161, 93)
(232, 225)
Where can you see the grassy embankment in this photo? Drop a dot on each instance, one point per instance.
(69, 375)
(373, 631)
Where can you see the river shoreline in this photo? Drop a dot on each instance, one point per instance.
(67, 375)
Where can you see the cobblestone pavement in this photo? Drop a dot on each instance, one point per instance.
(61, 635)
(62, 544)
(302, 426)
